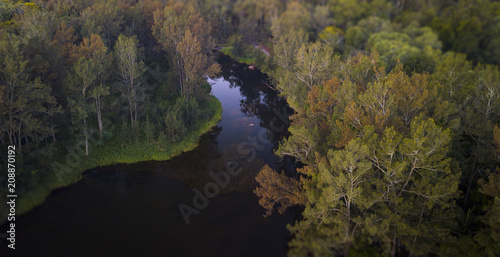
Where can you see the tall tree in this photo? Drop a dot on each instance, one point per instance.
(26, 101)
(94, 70)
(195, 65)
(91, 71)
(80, 106)
(185, 35)
(130, 71)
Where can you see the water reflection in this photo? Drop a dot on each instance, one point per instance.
(132, 210)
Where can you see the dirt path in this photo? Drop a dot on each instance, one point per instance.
(266, 52)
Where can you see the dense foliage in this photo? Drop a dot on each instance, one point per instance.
(396, 105)
(91, 83)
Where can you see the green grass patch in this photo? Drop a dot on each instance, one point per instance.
(228, 50)
(247, 59)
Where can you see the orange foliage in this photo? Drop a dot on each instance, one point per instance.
(90, 48)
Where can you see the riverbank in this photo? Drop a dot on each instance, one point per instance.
(257, 56)
(112, 152)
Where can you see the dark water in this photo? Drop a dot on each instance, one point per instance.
(133, 210)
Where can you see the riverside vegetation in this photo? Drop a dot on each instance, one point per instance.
(87, 84)
(396, 104)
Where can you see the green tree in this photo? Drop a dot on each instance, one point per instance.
(470, 27)
(295, 18)
(27, 103)
(379, 169)
(196, 66)
(105, 19)
(130, 71)
(79, 104)
(303, 68)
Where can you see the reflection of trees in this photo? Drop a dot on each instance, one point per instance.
(258, 99)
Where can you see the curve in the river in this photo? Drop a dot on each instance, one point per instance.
(133, 210)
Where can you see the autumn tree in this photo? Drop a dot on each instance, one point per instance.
(88, 81)
(185, 35)
(376, 164)
(278, 190)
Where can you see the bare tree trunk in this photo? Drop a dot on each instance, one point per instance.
(131, 111)
(181, 75)
(86, 136)
(98, 108)
(135, 109)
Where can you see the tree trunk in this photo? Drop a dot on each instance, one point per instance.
(27, 145)
(394, 248)
(131, 112)
(86, 136)
(98, 108)
(471, 178)
(10, 129)
(346, 249)
(130, 105)
(53, 134)
(135, 109)
(19, 135)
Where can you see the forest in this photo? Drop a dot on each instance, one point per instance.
(396, 107)
(90, 84)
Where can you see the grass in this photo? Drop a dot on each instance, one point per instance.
(112, 152)
(250, 57)
(247, 59)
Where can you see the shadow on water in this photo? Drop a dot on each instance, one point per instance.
(133, 210)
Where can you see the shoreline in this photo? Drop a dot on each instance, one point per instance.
(121, 155)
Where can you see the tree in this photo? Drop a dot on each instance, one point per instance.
(489, 237)
(470, 27)
(278, 190)
(335, 197)
(130, 71)
(185, 35)
(295, 18)
(84, 70)
(196, 66)
(313, 63)
(91, 72)
(26, 102)
(378, 169)
(98, 92)
(302, 68)
(92, 67)
(105, 19)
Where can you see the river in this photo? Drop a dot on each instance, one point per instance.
(133, 210)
